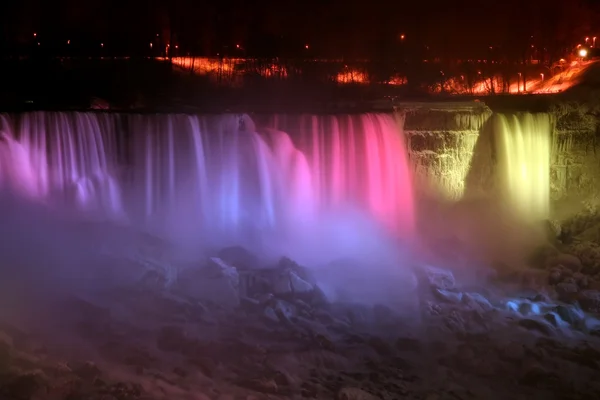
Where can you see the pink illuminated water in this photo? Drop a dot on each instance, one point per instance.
(215, 176)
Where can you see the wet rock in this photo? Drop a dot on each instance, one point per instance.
(582, 281)
(352, 393)
(570, 314)
(476, 301)
(439, 278)
(86, 371)
(382, 314)
(591, 325)
(447, 295)
(536, 325)
(590, 300)
(262, 385)
(536, 375)
(217, 283)
(568, 261)
(408, 344)
(380, 346)
(280, 311)
(527, 308)
(567, 291)
(239, 257)
(173, 339)
(25, 387)
(555, 276)
(552, 318)
(206, 365)
(289, 283)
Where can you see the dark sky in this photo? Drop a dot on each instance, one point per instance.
(329, 26)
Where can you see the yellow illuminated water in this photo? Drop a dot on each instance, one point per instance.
(522, 149)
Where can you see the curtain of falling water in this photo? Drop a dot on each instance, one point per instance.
(523, 145)
(72, 156)
(193, 175)
(357, 160)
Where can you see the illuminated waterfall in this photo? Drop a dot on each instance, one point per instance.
(522, 145)
(190, 176)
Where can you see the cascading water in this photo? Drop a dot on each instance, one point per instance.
(522, 145)
(216, 176)
(356, 161)
(66, 155)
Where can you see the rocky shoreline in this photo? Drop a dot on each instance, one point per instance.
(227, 330)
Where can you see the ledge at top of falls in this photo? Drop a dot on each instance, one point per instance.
(497, 103)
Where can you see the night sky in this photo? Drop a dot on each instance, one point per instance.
(332, 28)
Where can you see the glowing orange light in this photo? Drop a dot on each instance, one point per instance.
(587, 39)
(39, 43)
(176, 46)
(68, 41)
(402, 36)
(306, 46)
(34, 34)
(578, 46)
(101, 44)
(583, 53)
(150, 45)
(237, 45)
(542, 75)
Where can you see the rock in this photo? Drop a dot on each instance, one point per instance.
(352, 393)
(382, 314)
(380, 346)
(217, 283)
(590, 300)
(86, 371)
(239, 257)
(555, 276)
(527, 308)
(535, 375)
(583, 281)
(570, 314)
(172, 338)
(439, 278)
(447, 295)
(289, 283)
(476, 302)
(262, 385)
(280, 311)
(218, 268)
(302, 272)
(568, 261)
(552, 318)
(408, 344)
(536, 325)
(25, 387)
(567, 291)
(591, 325)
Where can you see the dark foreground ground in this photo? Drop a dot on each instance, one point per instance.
(226, 331)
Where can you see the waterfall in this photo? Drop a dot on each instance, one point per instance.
(522, 145)
(220, 176)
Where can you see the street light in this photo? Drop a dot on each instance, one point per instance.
(583, 53)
